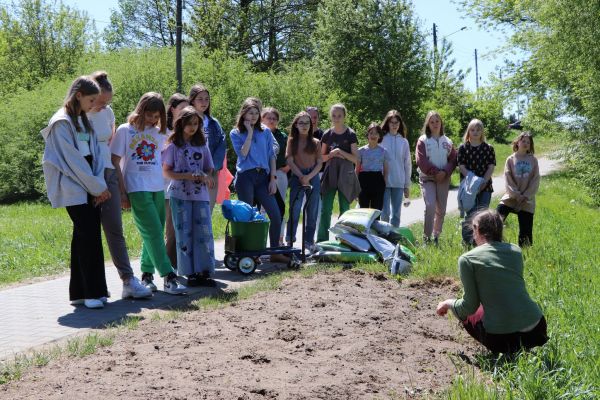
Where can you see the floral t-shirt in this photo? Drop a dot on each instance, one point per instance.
(188, 158)
(477, 159)
(140, 157)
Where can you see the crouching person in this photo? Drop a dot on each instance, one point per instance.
(496, 309)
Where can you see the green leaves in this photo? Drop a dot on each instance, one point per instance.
(561, 77)
(373, 53)
(38, 41)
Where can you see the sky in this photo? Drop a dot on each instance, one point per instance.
(444, 13)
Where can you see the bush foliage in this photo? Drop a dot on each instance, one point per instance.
(352, 63)
(134, 72)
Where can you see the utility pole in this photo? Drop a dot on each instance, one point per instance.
(476, 72)
(434, 38)
(178, 44)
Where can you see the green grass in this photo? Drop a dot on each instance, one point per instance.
(35, 240)
(562, 275)
(11, 370)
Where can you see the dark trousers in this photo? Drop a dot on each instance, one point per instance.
(525, 223)
(372, 188)
(482, 201)
(254, 184)
(506, 343)
(88, 280)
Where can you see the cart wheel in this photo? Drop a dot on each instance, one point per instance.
(246, 265)
(294, 262)
(231, 262)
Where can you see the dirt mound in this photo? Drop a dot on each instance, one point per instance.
(345, 335)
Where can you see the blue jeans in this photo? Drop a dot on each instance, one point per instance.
(482, 201)
(312, 208)
(194, 236)
(393, 195)
(254, 184)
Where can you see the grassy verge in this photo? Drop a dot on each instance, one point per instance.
(562, 275)
(76, 347)
(35, 239)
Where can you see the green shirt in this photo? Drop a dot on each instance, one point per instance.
(492, 275)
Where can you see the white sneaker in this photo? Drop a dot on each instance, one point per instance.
(134, 289)
(79, 302)
(93, 303)
(172, 286)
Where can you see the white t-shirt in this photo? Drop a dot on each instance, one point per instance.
(83, 142)
(141, 161)
(103, 122)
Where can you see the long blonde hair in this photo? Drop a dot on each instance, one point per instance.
(430, 115)
(474, 122)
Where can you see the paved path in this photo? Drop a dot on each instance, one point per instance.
(38, 314)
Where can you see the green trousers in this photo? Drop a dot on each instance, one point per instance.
(326, 209)
(149, 216)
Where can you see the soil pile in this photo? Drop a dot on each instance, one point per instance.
(345, 335)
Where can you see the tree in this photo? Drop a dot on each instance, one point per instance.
(49, 41)
(265, 31)
(448, 95)
(373, 54)
(140, 23)
(562, 40)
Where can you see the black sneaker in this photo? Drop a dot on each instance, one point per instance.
(207, 282)
(193, 280)
(148, 281)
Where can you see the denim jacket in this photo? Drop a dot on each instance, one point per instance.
(216, 142)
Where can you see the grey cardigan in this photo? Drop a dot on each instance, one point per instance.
(69, 178)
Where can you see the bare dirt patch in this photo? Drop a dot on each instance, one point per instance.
(345, 335)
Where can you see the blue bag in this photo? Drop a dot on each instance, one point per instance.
(238, 211)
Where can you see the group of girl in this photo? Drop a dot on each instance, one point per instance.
(95, 170)
(163, 164)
